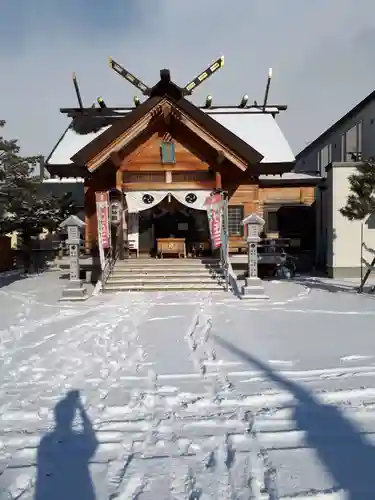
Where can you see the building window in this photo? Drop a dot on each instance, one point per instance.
(235, 218)
(142, 177)
(351, 143)
(167, 153)
(271, 219)
(202, 176)
(324, 158)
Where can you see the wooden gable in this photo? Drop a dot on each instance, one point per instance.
(223, 144)
(143, 166)
(147, 156)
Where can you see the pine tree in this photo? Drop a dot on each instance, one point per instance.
(361, 200)
(25, 206)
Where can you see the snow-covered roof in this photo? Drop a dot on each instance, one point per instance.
(291, 176)
(259, 130)
(64, 180)
(70, 143)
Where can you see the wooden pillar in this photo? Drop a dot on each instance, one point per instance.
(90, 219)
(87, 219)
(218, 183)
(168, 177)
(119, 177)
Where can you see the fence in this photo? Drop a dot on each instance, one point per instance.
(6, 257)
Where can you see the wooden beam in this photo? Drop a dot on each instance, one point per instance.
(166, 112)
(138, 186)
(119, 179)
(116, 158)
(220, 157)
(139, 166)
(211, 141)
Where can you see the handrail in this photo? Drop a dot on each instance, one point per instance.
(225, 265)
(112, 255)
(224, 248)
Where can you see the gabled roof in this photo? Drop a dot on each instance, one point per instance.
(223, 135)
(337, 125)
(252, 136)
(260, 130)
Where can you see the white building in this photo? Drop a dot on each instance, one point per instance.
(349, 139)
(344, 248)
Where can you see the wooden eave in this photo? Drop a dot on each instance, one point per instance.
(117, 130)
(224, 142)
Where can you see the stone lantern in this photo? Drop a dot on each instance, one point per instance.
(74, 290)
(253, 288)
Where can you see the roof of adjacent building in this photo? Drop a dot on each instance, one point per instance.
(291, 176)
(290, 179)
(258, 130)
(337, 125)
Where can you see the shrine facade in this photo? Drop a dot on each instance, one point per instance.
(162, 158)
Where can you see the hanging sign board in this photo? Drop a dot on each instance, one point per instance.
(214, 205)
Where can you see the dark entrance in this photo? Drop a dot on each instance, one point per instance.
(297, 223)
(171, 219)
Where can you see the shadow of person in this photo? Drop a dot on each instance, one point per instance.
(64, 453)
(348, 457)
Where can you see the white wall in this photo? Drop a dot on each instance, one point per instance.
(309, 161)
(344, 236)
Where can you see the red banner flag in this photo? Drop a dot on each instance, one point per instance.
(214, 205)
(102, 212)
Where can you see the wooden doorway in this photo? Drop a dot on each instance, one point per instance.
(171, 219)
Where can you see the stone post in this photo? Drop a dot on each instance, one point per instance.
(74, 290)
(253, 288)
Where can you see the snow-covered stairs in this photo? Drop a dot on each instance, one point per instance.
(165, 275)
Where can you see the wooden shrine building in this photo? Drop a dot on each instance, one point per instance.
(164, 156)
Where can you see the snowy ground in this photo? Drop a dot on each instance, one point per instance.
(186, 395)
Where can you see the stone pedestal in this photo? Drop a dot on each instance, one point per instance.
(74, 291)
(253, 288)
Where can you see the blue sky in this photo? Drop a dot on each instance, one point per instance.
(321, 52)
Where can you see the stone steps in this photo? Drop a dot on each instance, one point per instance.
(155, 263)
(114, 279)
(165, 275)
(160, 287)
